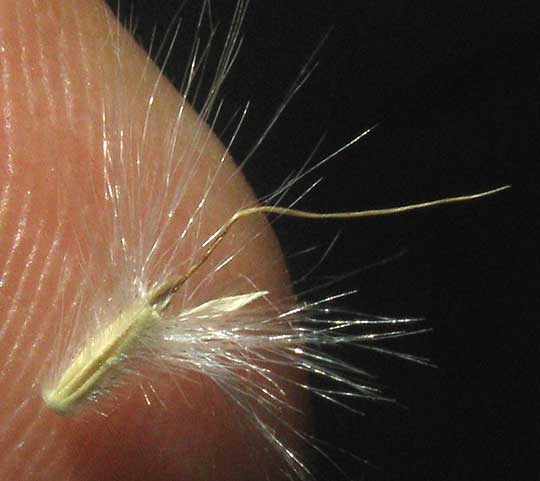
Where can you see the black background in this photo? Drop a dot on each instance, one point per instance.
(455, 88)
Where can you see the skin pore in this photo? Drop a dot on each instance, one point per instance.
(63, 64)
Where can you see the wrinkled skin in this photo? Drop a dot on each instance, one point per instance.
(57, 60)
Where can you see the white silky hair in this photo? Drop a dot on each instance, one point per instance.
(235, 339)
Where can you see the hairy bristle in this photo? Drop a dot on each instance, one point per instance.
(159, 261)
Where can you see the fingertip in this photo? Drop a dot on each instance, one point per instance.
(66, 99)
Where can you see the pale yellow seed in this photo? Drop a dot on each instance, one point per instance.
(97, 357)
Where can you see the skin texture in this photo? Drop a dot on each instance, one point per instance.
(59, 71)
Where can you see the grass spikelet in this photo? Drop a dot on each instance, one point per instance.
(168, 246)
